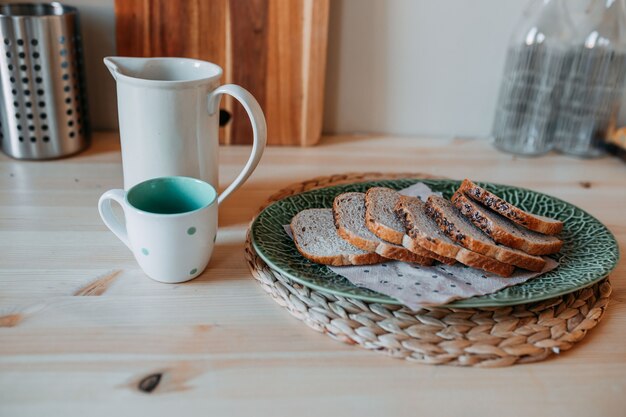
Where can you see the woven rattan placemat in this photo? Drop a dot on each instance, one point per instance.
(486, 337)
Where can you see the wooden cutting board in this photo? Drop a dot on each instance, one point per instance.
(274, 48)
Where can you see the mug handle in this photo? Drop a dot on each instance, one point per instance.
(259, 130)
(109, 218)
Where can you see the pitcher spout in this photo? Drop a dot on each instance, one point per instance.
(123, 65)
(162, 72)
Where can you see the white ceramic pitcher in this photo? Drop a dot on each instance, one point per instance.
(169, 119)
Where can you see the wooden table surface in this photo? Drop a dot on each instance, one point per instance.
(225, 348)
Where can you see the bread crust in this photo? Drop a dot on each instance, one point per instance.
(414, 240)
(415, 247)
(386, 250)
(401, 253)
(480, 217)
(339, 259)
(476, 260)
(379, 229)
(429, 243)
(500, 253)
(382, 231)
(393, 236)
(530, 221)
(469, 258)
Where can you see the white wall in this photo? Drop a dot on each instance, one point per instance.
(416, 67)
(419, 66)
(408, 67)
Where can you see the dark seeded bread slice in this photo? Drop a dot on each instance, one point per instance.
(316, 238)
(461, 230)
(530, 221)
(503, 231)
(349, 217)
(379, 215)
(423, 232)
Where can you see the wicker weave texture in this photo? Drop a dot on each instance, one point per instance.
(484, 337)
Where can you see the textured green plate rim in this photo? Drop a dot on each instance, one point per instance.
(589, 252)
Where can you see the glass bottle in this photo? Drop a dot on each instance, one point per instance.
(533, 79)
(593, 90)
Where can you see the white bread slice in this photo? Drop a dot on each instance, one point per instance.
(316, 238)
(349, 217)
(379, 215)
(504, 231)
(530, 221)
(458, 228)
(423, 232)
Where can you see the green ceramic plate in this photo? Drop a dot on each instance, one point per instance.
(589, 251)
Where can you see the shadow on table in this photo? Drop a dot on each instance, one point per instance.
(226, 258)
(102, 142)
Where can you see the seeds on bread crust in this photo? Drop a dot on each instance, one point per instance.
(503, 231)
(422, 232)
(462, 231)
(530, 221)
(406, 209)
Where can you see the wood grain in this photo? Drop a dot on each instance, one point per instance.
(314, 51)
(222, 345)
(10, 320)
(99, 285)
(142, 22)
(249, 51)
(274, 48)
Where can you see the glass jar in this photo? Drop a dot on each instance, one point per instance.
(533, 79)
(593, 90)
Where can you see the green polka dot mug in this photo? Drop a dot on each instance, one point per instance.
(171, 224)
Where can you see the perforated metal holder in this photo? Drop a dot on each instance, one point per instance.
(43, 110)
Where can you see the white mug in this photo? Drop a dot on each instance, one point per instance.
(168, 111)
(171, 225)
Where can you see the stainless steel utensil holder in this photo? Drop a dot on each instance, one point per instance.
(43, 110)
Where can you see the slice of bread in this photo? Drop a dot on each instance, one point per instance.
(382, 220)
(349, 218)
(316, 238)
(461, 230)
(503, 231)
(423, 232)
(379, 215)
(530, 221)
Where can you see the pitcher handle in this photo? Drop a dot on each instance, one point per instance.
(259, 130)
